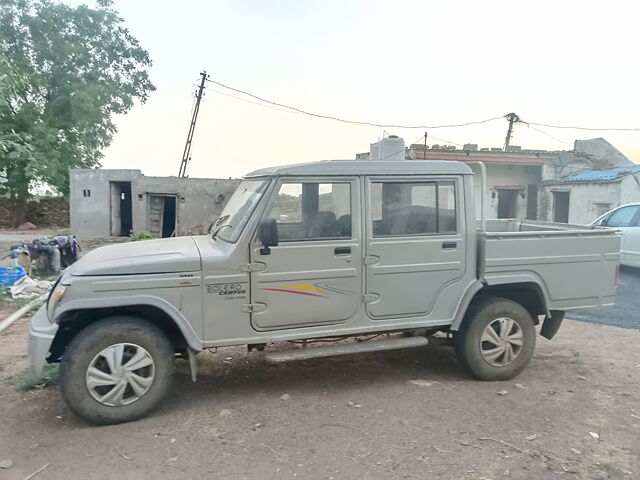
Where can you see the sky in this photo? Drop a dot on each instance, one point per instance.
(401, 62)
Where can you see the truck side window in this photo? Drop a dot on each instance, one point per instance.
(425, 208)
(313, 211)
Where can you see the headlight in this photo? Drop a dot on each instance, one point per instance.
(54, 299)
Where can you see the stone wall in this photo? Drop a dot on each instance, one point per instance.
(44, 212)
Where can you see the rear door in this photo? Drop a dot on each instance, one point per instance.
(415, 247)
(313, 277)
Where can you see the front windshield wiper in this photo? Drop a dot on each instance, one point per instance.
(221, 219)
(215, 234)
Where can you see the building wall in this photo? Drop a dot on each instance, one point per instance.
(587, 201)
(90, 216)
(199, 200)
(505, 176)
(630, 189)
(601, 150)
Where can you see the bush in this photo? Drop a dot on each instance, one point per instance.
(136, 237)
(25, 380)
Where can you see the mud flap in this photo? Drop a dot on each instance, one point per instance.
(192, 363)
(552, 324)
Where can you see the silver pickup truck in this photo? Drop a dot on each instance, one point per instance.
(388, 251)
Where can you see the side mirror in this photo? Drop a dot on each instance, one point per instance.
(268, 235)
(604, 222)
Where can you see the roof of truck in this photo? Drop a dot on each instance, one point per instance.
(366, 167)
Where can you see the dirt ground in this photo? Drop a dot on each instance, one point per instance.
(573, 413)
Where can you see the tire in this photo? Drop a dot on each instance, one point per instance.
(491, 326)
(103, 397)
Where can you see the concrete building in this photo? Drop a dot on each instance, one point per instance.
(118, 202)
(515, 178)
(584, 196)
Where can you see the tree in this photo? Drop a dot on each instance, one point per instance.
(64, 73)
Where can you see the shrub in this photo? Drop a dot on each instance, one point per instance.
(25, 380)
(136, 237)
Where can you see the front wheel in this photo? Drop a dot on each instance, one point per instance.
(496, 339)
(116, 370)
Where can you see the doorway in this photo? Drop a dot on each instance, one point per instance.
(507, 203)
(162, 220)
(561, 207)
(169, 217)
(532, 202)
(121, 214)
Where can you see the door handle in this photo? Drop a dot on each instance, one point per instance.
(449, 245)
(342, 251)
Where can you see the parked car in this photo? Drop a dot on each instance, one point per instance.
(627, 219)
(365, 248)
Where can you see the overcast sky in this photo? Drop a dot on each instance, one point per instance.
(407, 62)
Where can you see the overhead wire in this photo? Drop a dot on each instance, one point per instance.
(354, 122)
(255, 103)
(299, 113)
(593, 129)
(549, 135)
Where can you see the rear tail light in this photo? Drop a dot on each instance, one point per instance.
(617, 280)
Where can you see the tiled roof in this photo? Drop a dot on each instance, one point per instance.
(599, 175)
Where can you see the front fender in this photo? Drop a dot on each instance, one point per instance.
(131, 301)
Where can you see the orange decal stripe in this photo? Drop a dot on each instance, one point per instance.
(292, 291)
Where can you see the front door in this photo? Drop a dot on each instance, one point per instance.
(415, 248)
(627, 219)
(313, 277)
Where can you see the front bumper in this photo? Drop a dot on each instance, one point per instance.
(40, 338)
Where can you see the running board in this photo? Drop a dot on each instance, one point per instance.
(345, 349)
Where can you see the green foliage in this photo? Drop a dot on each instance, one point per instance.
(25, 380)
(64, 73)
(136, 237)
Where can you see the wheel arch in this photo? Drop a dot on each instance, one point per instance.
(72, 321)
(528, 294)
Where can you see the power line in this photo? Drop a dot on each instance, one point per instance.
(586, 128)
(255, 103)
(424, 127)
(299, 113)
(356, 122)
(549, 135)
(445, 140)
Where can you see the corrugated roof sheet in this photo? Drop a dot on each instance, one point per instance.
(599, 175)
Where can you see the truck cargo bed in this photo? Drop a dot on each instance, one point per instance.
(574, 265)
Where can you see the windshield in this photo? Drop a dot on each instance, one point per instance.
(238, 210)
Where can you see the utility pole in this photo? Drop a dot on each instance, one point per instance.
(186, 155)
(424, 156)
(513, 118)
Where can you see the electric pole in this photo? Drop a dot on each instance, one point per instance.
(186, 155)
(513, 118)
(424, 156)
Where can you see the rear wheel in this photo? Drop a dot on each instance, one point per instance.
(496, 339)
(116, 370)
